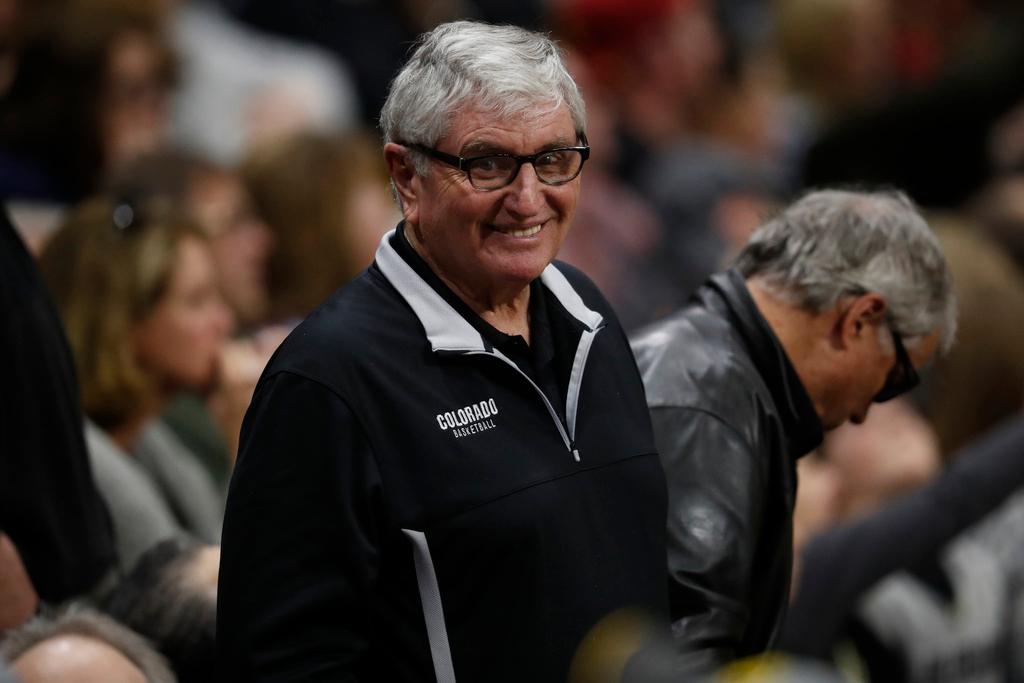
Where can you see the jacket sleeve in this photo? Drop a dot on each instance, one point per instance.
(840, 564)
(300, 543)
(715, 496)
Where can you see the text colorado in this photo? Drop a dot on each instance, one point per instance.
(469, 420)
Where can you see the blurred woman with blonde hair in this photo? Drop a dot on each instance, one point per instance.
(136, 287)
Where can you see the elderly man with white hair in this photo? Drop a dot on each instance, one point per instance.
(448, 470)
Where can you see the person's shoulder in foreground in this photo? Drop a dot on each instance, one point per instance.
(58, 524)
(448, 470)
(834, 304)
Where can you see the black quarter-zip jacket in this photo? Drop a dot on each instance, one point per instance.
(410, 505)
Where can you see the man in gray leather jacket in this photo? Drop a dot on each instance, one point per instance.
(832, 305)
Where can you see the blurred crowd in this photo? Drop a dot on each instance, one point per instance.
(192, 177)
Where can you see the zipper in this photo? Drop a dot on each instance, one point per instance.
(572, 394)
(566, 431)
(569, 444)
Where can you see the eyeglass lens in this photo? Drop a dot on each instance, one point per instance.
(554, 167)
(903, 377)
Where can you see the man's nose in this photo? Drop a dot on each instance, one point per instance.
(526, 193)
(859, 417)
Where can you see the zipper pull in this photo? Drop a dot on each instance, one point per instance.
(575, 453)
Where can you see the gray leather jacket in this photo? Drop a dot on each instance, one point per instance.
(730, 419)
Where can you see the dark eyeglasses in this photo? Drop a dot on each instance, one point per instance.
(903, 377)
(495, 171)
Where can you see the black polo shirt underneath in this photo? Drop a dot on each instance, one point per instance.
(537, 360)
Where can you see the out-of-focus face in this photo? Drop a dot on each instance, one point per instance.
(371, 212)
(180, 340)
(75, 659)
(134, 113)
(239, 241)
(487, 241)
(894, 451)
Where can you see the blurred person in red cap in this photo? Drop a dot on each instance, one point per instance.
(656, 57)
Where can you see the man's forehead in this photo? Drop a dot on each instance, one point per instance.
(481, 130)
(485, 144)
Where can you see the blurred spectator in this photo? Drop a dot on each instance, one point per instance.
(839, 54)
(943, 614)
(170, 597)
(658, 59)
(327, 203)
(932, 33)
(998, 210)
(53, 523)
(616, 234)
(89, 93)
(885, 457)
(216, 198)
(934, 141)
(817, 505)
(981, 381)
(699, 110)
(240, 86)
(136, 288)
(710, 199)
(82, 646)
(372, 37)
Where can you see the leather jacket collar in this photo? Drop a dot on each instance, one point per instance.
(799, 419)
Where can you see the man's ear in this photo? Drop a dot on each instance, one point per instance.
(404, 178)
(860, 315)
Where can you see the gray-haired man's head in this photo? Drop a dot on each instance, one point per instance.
(835, 243)
(858, 292)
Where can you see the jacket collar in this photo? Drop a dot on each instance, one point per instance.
(796, 410)
(445, 328)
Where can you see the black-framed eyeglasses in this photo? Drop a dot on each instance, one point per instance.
(494, 171)
(903, 377)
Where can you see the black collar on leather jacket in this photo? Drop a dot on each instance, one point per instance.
(800, 421)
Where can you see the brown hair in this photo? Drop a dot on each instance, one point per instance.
(108, 266)
(303, 188)
(51, 111)
(981, 381)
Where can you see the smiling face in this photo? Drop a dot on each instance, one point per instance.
(487, 244)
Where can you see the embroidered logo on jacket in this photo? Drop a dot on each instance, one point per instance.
(472, 419)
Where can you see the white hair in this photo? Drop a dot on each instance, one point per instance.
(835, 243)
(507, 70)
